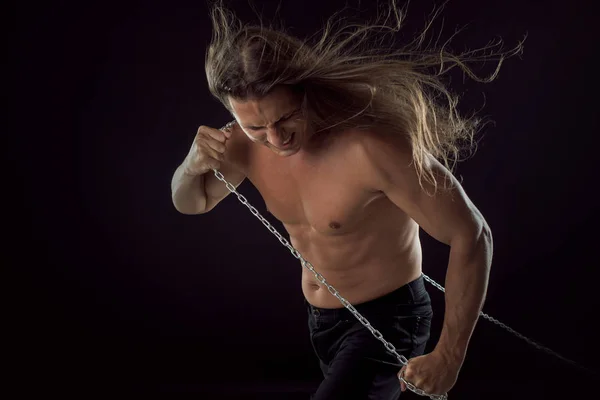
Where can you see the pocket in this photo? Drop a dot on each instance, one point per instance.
(421, 333)
(405, 328)
(412, 329)
(327, 335)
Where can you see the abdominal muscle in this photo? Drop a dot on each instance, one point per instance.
(352, 234)
(360, 266)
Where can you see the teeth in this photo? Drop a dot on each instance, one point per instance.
(288, 139)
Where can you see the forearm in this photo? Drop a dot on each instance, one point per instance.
(466, 288)
(187, 192)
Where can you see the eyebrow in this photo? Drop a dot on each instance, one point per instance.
(284, 116)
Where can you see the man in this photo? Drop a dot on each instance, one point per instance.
(343, 150)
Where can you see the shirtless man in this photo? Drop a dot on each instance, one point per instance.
(352, 201)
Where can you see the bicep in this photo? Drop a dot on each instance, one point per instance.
(443, 210)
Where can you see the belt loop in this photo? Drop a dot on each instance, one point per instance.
(412, 293)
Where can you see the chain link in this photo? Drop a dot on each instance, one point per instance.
(390, 347)
(517, 334)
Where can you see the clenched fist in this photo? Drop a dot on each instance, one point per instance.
(208, 149)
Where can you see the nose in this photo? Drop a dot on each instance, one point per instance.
(276, 136)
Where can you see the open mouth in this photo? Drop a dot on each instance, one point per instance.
(289, 140)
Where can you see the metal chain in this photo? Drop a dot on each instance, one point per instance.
(353, 310)
(517, 334)
(390, 347)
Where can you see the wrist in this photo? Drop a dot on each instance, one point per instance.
(452, 357)
(186, 171)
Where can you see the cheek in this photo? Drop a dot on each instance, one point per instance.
(296, 125)
(250, 136)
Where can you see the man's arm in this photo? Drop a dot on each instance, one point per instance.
(198, 194)
(451, 218)
(187, 192)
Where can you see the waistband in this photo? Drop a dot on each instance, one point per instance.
(405, 294)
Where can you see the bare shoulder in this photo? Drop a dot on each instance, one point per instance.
(377, 153)
(442, 209)
(381, 142)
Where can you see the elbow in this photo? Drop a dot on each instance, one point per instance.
(486, 236)
(484, 244)
(481, 233)
(474, 242)
(187, 210)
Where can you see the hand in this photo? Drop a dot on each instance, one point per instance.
(208, 149)
(431, 372)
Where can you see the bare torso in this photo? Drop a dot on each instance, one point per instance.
(360, 242)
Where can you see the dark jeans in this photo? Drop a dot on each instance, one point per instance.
(355, 364)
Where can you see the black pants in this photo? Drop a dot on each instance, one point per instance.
(355, 364)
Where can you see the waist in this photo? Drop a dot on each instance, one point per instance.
(409, 293)
(361, 284)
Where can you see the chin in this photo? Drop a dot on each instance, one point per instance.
(286, 152)
(296, 146)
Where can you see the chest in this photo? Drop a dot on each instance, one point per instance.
(328, 196)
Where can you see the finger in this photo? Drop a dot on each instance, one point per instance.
(198, 169)
(228, 129)
(212, 133)
(213, 163)
(401, 373)
(400, 376)
(215, 145)
(212, 153)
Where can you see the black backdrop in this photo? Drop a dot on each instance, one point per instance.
(121, 294)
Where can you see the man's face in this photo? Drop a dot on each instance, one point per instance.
(274, 120)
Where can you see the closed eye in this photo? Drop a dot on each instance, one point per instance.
(285, 118)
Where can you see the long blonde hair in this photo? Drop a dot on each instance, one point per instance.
(349, 80)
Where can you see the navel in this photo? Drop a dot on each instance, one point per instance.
(335, 225)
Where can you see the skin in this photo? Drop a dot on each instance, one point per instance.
(352, 205)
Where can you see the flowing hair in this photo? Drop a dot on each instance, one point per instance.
(349, 80)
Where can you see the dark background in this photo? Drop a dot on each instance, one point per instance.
(119, 293)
